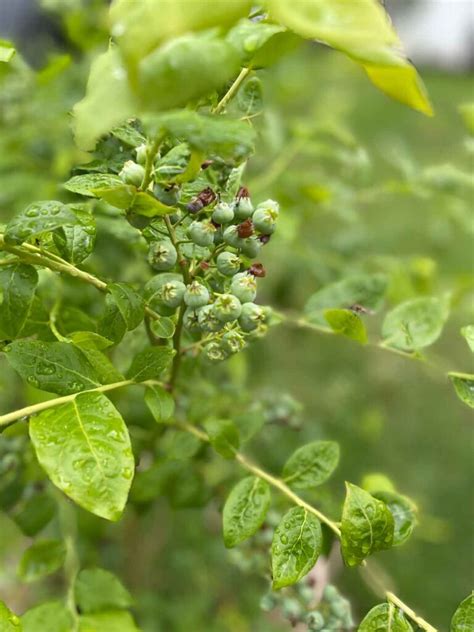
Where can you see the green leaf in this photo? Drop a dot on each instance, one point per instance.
(347, 323)
(385, 618)
(90, 344)
(96, 590)
(121, 196)
(311, 465)
(245, 510)
(56, 367)
(84, 447)
(466, 111)
(18, 285)
(250, 97)
(163, 327)
(160, 403)
(145, 204)
(198, 65)
(249, 423)
(124, 311)
(297, 544)
(141, 27)
(7, 51)
(52, 616)
(75, 243)
(179, 445)
(227, 138)
(254, 40)
(111, 621)
(362, 31)
(150, 364)
(9, 622)
(463, 618)
(464, 386)
(468, 333)
(41, 559)
(35, 513)
(223, 436)
(403, 511)
(108, 100)
(39, 217)
(88, 183)
(367, 290)
(415, 324)
(367, 525)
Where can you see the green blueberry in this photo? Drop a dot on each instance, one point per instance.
(314, 620)
(167, 195)
(251, 316)
(202, 233)
(267, 602)
(196, 295)
(132, 173)
(208, 321)
(172, 293)
(306, 592)
(218, 236)
(340, 608)
(243, 208)
(141, 152)
(191, 320)
(251, 246)
(162, 255)
(214, 352)
(228, 263)
(223, 213)
(233, 342)
(227, 307)
(265, 217)
(331, 593)
(231, 237)
(292, 608)
(244, 287)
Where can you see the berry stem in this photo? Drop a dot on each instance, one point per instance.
(232, 90)
(421, 623)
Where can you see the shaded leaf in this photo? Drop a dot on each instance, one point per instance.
(468, 333)
(111, 621)
(18, 284)
(52, 616)
(163, 327)
(403, 511)
(97, 590)
(311, 465)
(415, 324)
(150, 363)
(347, 323)
(223, 436)
(297, 543)
(464, 386)
(35, 513)
(367, 525)
(41, 559)
(56, 367)
(90, 345)
(245, 510)
(251, 37)
(84, 447)
(75, 243)
(160, 403)
(250, 97)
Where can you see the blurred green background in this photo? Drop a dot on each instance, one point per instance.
(364, 185)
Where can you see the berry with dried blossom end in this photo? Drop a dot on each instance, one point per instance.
(228, 263)
(191, 320)
(233, 342)
(227, 307)
(215, 352)
(207, 319)
(251, 246)
(258, 270)
(196, 295)
(245, 229)
(251, 317)
(265, 217)
(243, 206)
(231, 237)
(223, 213)
(172, 293)
(202, 233)
(244, 287)
(162, 255)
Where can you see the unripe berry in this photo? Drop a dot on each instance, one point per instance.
(191, 320)
(132, 173)
(251, 316)
(233, 342)
(251, 247)
(268, 602)
(231, 237)
(196, 295)
(202, 233)
(227, 307)
(292, 609)
(243, 206)
(265, 217)
(208, 321)
(162, 255)
(167, 195)
(223, 213)
(228, 263)
(314, 620)
(244, 288)
(141, 152)
(214, 352)
(330, 593)
(172, 293)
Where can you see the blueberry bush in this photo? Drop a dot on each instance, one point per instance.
(144, 279)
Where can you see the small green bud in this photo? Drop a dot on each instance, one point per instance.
(244, 287)
(228, 263)
(251, 316)
(202, 233)
(214, 352)
(162, 255)
(227, 307)
(223, 213)
(132, 173)
(141, 152)
(196, 295)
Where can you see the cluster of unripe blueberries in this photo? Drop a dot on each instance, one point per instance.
(215, 242)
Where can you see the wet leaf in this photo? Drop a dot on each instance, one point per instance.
(41, 559)
(245, 510)
(311, 465)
